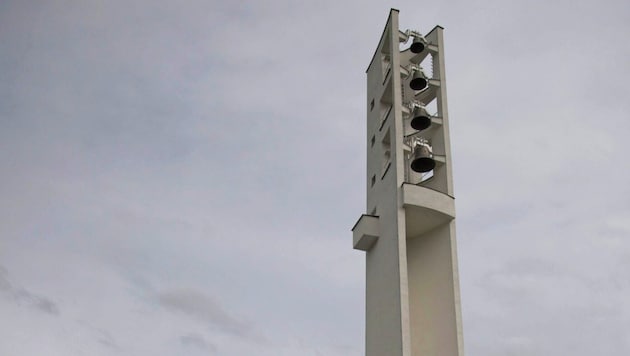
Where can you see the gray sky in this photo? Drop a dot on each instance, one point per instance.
(181, 177)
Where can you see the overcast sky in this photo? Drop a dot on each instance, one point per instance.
(180, 178)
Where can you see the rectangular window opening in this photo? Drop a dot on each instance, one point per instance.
(387, 153)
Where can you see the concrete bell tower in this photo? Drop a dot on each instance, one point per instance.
(408, 231)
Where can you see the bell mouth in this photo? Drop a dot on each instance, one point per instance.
(417, 47)
(423, 164)
(418, 83)
(420, 122)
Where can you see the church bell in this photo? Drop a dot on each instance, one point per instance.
(417, 45)
(420, 119)
(422, 159)
(418, 81)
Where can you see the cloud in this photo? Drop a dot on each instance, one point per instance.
(204, 308)
(102, 336)
(197, 341)
(25, 297)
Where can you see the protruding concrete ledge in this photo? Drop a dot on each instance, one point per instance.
(418, 195)
(425, 209)
(365, 232)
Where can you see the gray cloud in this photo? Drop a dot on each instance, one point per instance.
(543, 297)
(102, 336)
(25, 297)
(197, 341)
(204, 308)
(106, 339)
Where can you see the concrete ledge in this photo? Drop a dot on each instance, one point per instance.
(425, 209)
(365, 232)
(428, 198)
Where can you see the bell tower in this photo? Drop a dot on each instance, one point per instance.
(408, 231)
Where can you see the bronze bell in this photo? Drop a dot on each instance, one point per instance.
(417, 45)
(420, 119)
(422, 159)
(418, 81)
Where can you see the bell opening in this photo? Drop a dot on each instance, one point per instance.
(418, 83)
(417, 47)
(423, 164)
(420, 122)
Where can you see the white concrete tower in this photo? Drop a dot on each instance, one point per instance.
(408, 231)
